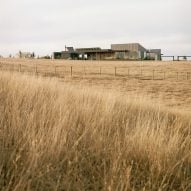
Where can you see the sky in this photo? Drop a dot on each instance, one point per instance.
(45, 26)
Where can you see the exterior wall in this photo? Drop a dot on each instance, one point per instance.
(57, 55)
(100, 55)
(119, 55)
(91, 56)
(142, 52)
(104, 55)
(154, 54)
(107, 55)
(65, 55)
(132, 55)
(136, 51)
(130, 47)
(141, 48)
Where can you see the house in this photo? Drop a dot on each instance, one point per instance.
(130, 51)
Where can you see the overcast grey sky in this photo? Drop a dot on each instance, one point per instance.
(44, 26)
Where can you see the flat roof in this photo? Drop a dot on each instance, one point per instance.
(86, 51)
(100, 51)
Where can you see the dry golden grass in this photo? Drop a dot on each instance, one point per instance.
(70, 136)
(170, 87)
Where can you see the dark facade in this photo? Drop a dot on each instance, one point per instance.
(154, 54)
(66, 55)
(96, 53)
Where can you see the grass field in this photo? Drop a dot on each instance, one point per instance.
(91, 131)
(170, 87)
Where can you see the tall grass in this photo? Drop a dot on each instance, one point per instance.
(57, 137)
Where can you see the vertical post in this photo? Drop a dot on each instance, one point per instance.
(71, 70)
(36, 69)
(55, 70)
(153, 74)
(100, 71)
(84, 70)
(115, 71)
(187, 75)
(128, 72)
(19, 67)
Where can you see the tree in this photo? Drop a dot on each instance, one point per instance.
(33, 55)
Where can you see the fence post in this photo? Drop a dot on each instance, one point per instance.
(153, 74)
(115, 71)
(128, 72)
(36, 70)
(19, 67)
(100, 71)
(71, 70)
(13, 67)
(55, 70)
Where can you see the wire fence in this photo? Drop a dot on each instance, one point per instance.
(82, 71)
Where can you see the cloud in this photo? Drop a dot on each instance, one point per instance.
(46, 25)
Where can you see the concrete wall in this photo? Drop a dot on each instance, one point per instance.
(136, 51)
(132, 55)
(154, 54)
(130, 47)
